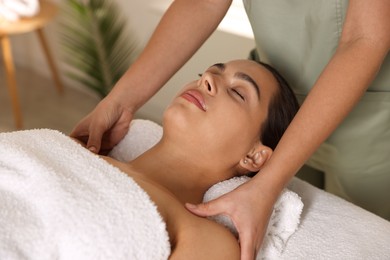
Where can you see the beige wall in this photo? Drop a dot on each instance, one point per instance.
(143, 16)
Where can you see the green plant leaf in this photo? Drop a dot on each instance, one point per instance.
(95, 43)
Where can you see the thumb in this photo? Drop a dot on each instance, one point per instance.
(206, 209)
(247, 244)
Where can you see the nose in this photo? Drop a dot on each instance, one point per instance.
(209, 84)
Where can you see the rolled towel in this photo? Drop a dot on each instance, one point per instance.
(284, 220)
(283, 223)
(13, 10)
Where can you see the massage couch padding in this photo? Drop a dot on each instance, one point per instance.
(330, 227)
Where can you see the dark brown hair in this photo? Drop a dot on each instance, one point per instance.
(281, 110)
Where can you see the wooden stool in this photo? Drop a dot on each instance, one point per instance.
(47, 12)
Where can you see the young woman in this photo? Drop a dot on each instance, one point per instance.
(59, 199)
(240, 104)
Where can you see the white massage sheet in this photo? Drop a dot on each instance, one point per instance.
(80, 213)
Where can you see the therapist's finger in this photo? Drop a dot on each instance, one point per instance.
(80, 131)
(206, 209)
(95, 138)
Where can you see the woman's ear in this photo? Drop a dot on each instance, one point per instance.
(256, 158)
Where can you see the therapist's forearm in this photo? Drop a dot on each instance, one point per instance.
(336, 92)
(182, 30)
(364, 43)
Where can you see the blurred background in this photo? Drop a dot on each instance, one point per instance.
(43, 107)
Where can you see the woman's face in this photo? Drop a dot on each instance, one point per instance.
(220, 115)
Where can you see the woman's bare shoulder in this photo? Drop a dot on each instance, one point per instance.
(205, 239)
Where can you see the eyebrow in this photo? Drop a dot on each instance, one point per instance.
(241, 75)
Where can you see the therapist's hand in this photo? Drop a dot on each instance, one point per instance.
(249, 208)
(104, 127)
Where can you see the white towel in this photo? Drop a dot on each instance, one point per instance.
(13, 10)
(285, 218)
(60, 201)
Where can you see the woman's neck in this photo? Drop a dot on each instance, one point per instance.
(176, 170)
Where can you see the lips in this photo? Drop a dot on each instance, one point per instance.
(196, 98)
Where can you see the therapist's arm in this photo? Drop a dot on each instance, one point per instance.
(364, 44)
(182, 30)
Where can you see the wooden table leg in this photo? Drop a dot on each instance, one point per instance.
(50, 60)
(11, 80)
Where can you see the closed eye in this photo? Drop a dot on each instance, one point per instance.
(238, 94)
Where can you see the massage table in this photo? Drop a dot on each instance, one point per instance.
(83, 213)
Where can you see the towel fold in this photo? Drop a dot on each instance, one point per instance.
(60, 201)
(285, 218)
(13, 10)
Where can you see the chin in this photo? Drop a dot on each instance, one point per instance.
(175, 118)
(183, 125)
